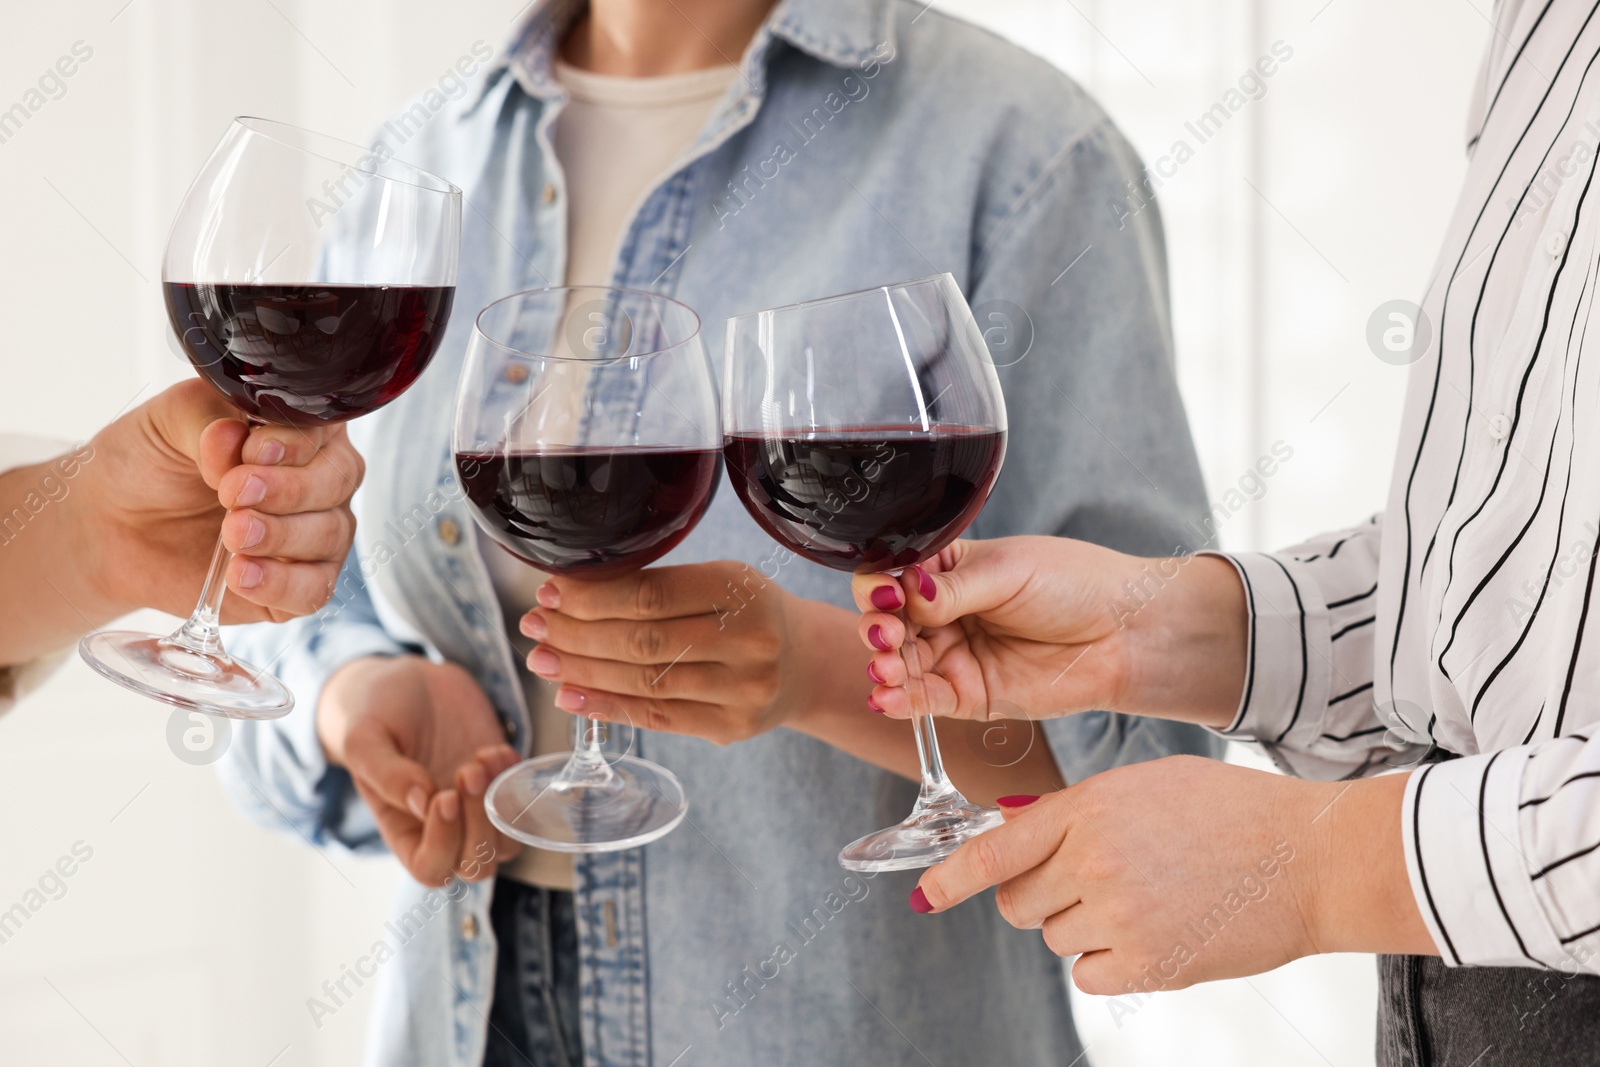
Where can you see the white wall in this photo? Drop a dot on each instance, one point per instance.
(193, 938)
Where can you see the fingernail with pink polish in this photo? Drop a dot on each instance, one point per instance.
(1017, 800)
(549, 596)
(570, 699)
(417, 802)
(544, 663)
(919, 901)
(886, 598)
(249, 575)
(872, 672)
(873, 704)
(534, 626)
(875, 638)
(925, 587)
(253, 533)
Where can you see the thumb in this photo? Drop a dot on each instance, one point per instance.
(193, 421)
(399, 781)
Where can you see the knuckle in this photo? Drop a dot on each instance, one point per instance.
(650, 594)
(1005, 900)
(645, 642)
(987, 861)
(764, 643)
(762, 688)
(1100, 865)
(655, 715)
(344, 534)
(649, 678)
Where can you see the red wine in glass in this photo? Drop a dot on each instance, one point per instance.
(865, 498)
(590, 513)
(306, 354)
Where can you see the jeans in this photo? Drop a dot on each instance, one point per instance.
(533, 1019)
(1430, 1015)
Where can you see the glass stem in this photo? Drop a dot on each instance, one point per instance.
(588, 764)
(937, 789)
(202, 633)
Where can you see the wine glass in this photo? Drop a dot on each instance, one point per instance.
(587, 443)
(309, 281)
(864, 432)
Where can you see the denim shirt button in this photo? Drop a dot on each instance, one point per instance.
(449, 532)
(469, 928)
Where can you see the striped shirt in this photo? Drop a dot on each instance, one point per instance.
(1458, 622)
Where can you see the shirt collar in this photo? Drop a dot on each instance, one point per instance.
(845, 33)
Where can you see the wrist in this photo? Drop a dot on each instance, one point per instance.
(828, 665)
(66, 539)
(1361, 896)
(85, 530)
(338, 703)
(1187, 627)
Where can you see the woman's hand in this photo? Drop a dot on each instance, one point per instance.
(422, 744)
(1153, 891)
(705, 649)
(1053, 626)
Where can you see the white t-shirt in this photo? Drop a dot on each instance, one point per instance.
(615, 139)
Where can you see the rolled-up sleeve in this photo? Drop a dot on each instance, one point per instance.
(277, 770)
(1504, 854)
(1073, 298)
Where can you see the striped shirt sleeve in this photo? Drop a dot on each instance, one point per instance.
(1504, 854)
(1307, 698)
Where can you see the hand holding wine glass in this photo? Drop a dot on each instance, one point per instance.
(586, 441)
(309, 282)
(1049, 625)
(132, 513)
(166, 475)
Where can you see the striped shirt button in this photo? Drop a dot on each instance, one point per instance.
(1557, 243)
(1500, 427)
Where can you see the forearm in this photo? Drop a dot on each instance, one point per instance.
(46, 571)
(834, 710)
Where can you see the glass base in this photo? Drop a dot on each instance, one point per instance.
(929, 834)
(162, 669)
(609, 805)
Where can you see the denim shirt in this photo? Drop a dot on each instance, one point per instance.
(864, 142)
